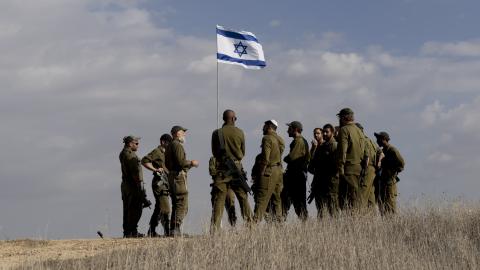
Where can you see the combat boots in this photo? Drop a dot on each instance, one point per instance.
(152, 233)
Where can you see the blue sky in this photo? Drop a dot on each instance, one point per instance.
(75, 82)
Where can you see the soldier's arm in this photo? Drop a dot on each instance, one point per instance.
(243, 144)
(400, 161)
(265, 155)
(215, 144)
(179, 154)
(297, 151)
(342, 147)
(132, 163)
(147, 161)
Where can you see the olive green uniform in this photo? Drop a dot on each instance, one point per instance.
(392, 164)
(132, 194)
(350, 153)
(325, 179)
(177, 165)
(367, 188)
(234, 148)
(160, 190)
(268, 175)
(229, 200)
(295, 178)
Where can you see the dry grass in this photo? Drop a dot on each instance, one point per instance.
(428, 238)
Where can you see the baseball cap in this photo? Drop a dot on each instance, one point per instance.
(130, 138)
(274, 122)
(382, 134)
(175, 129)
(345, 111)
(295, 124)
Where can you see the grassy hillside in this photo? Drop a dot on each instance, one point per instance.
(433, 238)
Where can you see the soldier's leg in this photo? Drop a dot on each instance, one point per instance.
(125, 209)
(219, 194)
(299, 196)
(353, 192)
(156, 211)
(180, 209)
(390, 202)
(230, 207)
(134, 204)
(265, 190)
(285, 196)
(165, 211)
(332, 196)
(242, 198)
(276, 199)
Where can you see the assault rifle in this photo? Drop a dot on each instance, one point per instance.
(145, 201)
(238, 176)
(363, 172)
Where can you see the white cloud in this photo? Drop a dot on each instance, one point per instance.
(461, 48)
(275, 23)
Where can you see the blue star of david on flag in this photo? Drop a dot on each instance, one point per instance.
(239, 48)
(241, 51)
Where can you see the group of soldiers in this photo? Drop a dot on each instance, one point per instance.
(350, 173)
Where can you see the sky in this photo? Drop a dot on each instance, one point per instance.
(78, 76)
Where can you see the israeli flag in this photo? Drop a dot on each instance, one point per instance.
(239, 48)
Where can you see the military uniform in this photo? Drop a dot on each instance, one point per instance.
(132, 194)
(268, 176)
(160, 190)
(392, 164)
(177, 165)
(350, 153)
(325, 180)
(229, 200)
(295, 178)
(234, 148)
(367, 188)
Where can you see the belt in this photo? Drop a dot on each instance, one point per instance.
(274, 165)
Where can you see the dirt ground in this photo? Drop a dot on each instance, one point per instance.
(20, 252)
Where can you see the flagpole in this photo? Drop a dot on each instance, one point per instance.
(218, 95)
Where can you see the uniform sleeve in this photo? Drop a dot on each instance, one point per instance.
(399, 160)
(342, 147)
(243, 144)
(133, 167)
(298, 151)
(266, 150)
(148, 158)
(179, 154)
(215, 144)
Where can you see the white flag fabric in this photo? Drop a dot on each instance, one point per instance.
(239, 48)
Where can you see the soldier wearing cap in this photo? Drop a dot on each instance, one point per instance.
(350, 154)
(132, 182)
(268, 172)
(374, 154)
(295, 177)
(155, 162)
(228, 142)
(391, 165)
(324, 185)
(178, 165)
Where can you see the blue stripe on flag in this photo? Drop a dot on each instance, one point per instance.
(257, 63)
(236, 35)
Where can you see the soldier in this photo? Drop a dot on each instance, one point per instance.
(324, 185)
(178, 165)
(228, 142)
(391, 165)
(132, 187)
(295, 178)
(350, 154)
(268, 172)
(317, 140)
(155, 162)
(367, 188)
(230, 199)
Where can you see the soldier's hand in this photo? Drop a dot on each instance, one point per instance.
(314, 143)
(194, 163)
